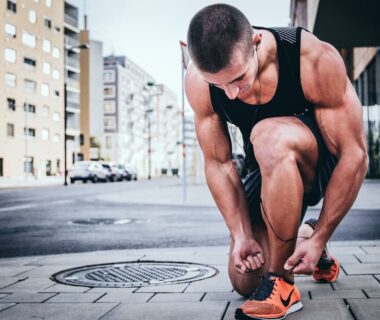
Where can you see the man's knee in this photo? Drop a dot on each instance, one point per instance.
(273, 144)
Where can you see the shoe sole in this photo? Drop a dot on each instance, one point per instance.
(240, 315)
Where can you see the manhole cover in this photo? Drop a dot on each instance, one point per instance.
(134, 274)
(102, 221)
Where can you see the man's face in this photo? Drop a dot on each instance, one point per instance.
(237, 79)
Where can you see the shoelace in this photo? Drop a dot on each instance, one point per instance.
(265, 290)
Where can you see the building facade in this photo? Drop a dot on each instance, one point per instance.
(355, 31)
(32, 90)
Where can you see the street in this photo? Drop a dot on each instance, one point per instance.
(89, 217)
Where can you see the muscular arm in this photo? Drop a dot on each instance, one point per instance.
(339, 117)
(221, 176)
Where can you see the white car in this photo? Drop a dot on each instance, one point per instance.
(87, 171)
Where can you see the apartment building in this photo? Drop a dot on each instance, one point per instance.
(31, 94)
(355, 31)
(72, 80)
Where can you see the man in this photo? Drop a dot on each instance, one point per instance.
(301, 123)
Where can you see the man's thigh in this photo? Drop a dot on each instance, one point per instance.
(273, 138)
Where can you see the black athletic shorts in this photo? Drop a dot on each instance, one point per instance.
(325, 167)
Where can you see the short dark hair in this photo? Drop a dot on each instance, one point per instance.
(213, 35)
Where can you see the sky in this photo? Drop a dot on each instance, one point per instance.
(148, 31)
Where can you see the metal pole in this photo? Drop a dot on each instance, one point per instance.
(26, 168)
(64, 133)
(184, 183)
(149, 146)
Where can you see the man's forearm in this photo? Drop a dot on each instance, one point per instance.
(227, 191)
(341, 193)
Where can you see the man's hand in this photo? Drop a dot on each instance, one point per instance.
(305, 257)
(247, 255)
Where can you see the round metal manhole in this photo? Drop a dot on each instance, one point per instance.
(102, 221)
(134, 274)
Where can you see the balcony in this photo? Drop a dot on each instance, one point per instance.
(71, 42)
(74, 63)
(71, 20)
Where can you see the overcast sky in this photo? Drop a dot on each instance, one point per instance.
(148, 31)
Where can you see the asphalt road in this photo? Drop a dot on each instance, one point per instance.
(50, 220)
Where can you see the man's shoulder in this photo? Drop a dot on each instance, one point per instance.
(197, 91)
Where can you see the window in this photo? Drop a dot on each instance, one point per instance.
(55, 74)
(29, 39)
(45, 134)
(10, 79)
(11, 104)
(45, 89)
(109, 122)
(56, 93)
(45, 111)
(56, 138)
(109, 91)
(109, 107)
(46, 68)
(11, 6)
(10, 130)
(48, 3)
(32, 16)
(47, 23)
(30, 108)
(109, 76)
(10, 55)
(55, 52)
(29, 86)
(28, 165)
(29, 62)
(56, 116)
(1, 167)
(108, 142)
(29, 132)
(10, 30)
(46, 45)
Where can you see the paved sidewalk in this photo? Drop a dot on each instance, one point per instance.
(26, 292)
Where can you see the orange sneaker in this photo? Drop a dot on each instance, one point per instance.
(274, 299)
(328, 267)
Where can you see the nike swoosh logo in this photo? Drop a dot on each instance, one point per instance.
(286, 302)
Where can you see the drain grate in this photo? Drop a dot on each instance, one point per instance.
(102, 221)
(134, 274)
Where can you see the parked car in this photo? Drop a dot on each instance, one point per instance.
(132, 171)
(126, 175)
(87, 171)
(113, 172)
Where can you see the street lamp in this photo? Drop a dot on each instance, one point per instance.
(82, 46)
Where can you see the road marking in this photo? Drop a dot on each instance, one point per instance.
(28, 206)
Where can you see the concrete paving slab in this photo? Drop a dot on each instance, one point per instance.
(27, 297)
(57, 287)
(356, 282)
(164, 288)
(377, 276)
(373, 293)
(176, 297)
(57, 311)
(347, 250)
(372, 249)
(365, 309)
(14, 271)
(217, 283)
(337, 294)
(131, 298)
(180, 310)
(6, 281)
(4, 306)
(308, 284)
(345, 257)
(75, 297)
(109, 290)
(363, 268)
(368, 258)
(45, 271)
(232, 306)
(322, 310)
(223, 296)
(34, 284)
(213, 260)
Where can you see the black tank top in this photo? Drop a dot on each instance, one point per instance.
(287, 100)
